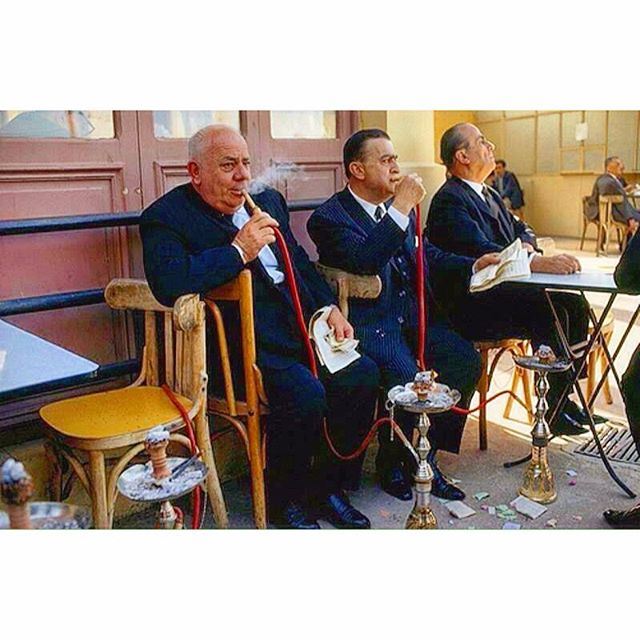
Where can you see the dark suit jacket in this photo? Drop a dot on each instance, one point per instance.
(461, 221)
(347, 238)
(608, 185)
(510, 189)
(187, 249)
(627, 274)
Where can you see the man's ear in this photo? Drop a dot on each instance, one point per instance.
(462, 157)
(356, 169)
(194, 172)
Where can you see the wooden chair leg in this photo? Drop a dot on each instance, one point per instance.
(591, 372)
(483, 389)
(257, 471)
(54, 476)
(98, 490)
(603, 366)
(517, 375)
(584, 233)
(214, 490)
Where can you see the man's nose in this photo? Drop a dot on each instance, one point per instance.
(491, 145)
(242, 173)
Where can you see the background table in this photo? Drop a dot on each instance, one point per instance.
(29, 364)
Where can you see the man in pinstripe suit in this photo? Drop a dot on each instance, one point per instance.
(361, 231)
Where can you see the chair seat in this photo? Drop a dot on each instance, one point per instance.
(113, 413)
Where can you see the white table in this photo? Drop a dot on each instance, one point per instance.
(29, 364)
(584, 282)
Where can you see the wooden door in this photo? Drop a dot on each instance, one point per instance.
(49, 169)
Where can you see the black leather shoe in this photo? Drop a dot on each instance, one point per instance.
(342, 514)
(293, 516)
(565, 425)
(440, 486)
(629, 519)
(393, 482)
(580, 415)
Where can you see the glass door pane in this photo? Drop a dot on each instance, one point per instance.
(303, 124)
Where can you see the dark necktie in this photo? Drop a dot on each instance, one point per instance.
(379, 212)
(493, 205)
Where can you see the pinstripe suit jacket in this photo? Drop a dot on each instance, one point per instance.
(347, 238)
(627, 274)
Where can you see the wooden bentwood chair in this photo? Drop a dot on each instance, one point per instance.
(87, 430)
(605, 210)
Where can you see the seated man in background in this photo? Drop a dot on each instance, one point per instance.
(199, 236)
(507, 185)
(469, 218)
(360, 230)
(611, 183)
(627, 277)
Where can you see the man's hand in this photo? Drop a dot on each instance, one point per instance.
(560, 264)
(409, 193)
(339, 324)
(256, 234)
(485, 261)
(528, 246)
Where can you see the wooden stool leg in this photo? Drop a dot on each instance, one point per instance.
(603, 366)
(256, 465)
(214, 490)
(517, 375)
(483, 389)
(98, 490)
(54, 481)
(591, 372)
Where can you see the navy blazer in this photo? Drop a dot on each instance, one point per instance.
(627, 273)
(510, 189)
(348, 238)
(187, 249)
(461, 221)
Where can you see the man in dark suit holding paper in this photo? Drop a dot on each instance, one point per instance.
(469, 218)
(369, 228)
(199, 236)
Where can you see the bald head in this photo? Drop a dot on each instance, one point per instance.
(219, 167)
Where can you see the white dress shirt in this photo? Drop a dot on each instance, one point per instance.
(266, 256)
(399, 218)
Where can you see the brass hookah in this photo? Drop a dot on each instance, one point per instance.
(17, 488)
(538, 483)
(423, 396)
(157, 480)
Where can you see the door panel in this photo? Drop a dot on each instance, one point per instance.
(69, 176)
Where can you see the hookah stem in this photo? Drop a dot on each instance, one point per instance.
(195, 517)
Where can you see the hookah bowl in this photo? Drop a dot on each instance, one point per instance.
(538, 483)
(17, 488)
(162, 479)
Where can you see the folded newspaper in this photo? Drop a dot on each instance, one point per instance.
(513, 265)
(333, 354)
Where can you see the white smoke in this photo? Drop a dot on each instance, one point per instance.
(274, 175)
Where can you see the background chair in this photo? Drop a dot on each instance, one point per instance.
(350, 285)
(89, 430)
(605, 204)
(586, 221)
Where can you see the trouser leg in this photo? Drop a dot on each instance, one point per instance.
(631, 394)
(351, 396)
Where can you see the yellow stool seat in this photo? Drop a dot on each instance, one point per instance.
(113, 413)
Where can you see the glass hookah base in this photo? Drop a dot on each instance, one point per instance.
(421, 517)
(538, 483)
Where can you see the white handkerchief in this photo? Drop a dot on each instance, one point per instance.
(333, 354)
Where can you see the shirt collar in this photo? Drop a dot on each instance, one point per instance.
(476, 186)
(368, 206)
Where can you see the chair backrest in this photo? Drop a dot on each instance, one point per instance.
(350, 285)
(178, 356)
(605, 204)
(239, 290)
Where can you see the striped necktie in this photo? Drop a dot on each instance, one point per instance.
(379, 212)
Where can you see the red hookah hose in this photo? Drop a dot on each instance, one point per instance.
(197, 492)
(422, 310)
